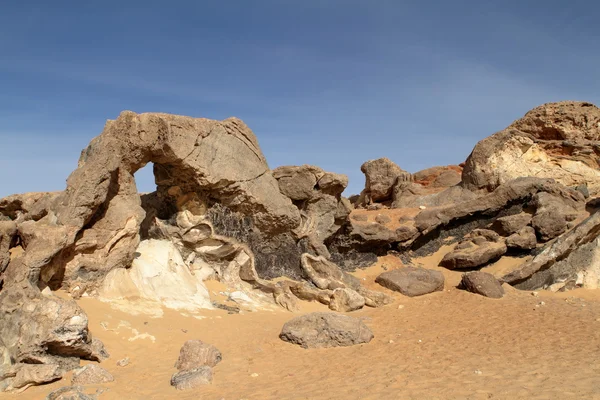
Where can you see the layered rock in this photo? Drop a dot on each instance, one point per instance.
(555, 140)
(569, 261)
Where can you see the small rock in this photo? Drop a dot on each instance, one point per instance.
(482, 283)
(524, 239)
(320, 330)
(123, 362)
(478, 372)
(535, 294)
(412, 281)
(69, 393)
(195, 354)
(346, 300)
(91, 374)
(190, 379)
(254, 375)
(400, 307)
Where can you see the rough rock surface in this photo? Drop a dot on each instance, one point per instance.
(41, 329)
(524, 239)
(482, 283)
(436, 177)
(190, 379)
(319, 330)
(346, 300)
(381, 176)
(555, 140)
(195, 354)
(553, 214)
(412, 281)
(91, 374)
(482, 247)
(511, 224)
(410, 195)
(571, 257)
(70, 393)
(21, 376)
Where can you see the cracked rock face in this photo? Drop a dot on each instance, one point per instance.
(555, 140)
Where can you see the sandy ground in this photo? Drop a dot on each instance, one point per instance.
(446, 345)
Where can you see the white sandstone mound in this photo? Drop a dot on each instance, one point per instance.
(158, 276)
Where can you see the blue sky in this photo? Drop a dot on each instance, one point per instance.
(327, 82)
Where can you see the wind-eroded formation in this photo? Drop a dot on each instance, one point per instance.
(220, 213)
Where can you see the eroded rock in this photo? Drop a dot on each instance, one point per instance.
(91, 374)
(321, 330)
(555, 140)
(195, 354)
(381, 176)
(193, 378)
(412, 281)
(482, 283)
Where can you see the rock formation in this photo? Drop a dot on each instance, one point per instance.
(219, 212)
(556, 140)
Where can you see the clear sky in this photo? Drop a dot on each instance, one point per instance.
(327, 82)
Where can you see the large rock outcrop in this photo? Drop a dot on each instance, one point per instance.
(218, 212)
(555, 140)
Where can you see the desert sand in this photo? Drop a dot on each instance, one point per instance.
(446, 345)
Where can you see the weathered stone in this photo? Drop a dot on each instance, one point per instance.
(553, 214)
(70, 393)
(38, 329)
(482, 283)
(555, 140)
(439, 176)
(412, 281)
(346, 300)
(26, 375)
(524, 239)
(510, 224)
(381, 176)
(91, 374)
(473, 255)
(320, 330)
(190, 379)
(332, 183)
(298, 182)
(560, 260)
(413, 195)
(195, 354)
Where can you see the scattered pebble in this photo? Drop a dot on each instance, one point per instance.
(391, 341)
(420, 341)
(478, 372)
(123, 362)
(254, 375)
(401, 306)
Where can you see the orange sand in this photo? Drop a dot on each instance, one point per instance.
(446, 345)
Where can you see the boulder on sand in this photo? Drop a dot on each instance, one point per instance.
(482, 283)
(320, 330)
(412, 281)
